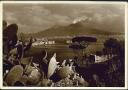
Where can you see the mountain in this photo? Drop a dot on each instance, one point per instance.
(79, 28)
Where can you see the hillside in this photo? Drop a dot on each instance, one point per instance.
(79, 28)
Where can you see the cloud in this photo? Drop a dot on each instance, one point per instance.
(38, 17)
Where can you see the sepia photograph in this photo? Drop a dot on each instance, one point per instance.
(63, 44)
(64, 0)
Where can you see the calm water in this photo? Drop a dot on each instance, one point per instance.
(64, 52)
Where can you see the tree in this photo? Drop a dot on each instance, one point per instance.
(80, 43)
(10, 36)
(116, 47)
(112, 45)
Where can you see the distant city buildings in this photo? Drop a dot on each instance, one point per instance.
(42, 43)
(103, 58)
(67, 39)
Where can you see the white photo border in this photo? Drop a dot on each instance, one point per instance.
(66, 2)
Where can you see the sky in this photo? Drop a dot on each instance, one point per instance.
(32, 18)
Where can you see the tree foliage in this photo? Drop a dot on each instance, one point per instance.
(111, 43)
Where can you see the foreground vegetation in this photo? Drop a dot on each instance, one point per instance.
(24, 65)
